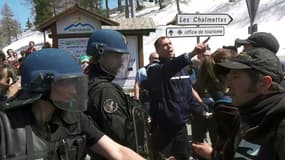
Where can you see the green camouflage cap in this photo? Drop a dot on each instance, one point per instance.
(260, 59)
(261, 39)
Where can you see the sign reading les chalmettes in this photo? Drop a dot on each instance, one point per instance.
(203, 19)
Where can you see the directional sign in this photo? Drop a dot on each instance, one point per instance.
(194, 31)
(203, 19)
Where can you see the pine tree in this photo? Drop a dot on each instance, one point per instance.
(43, 9)
(3, 41)
(10, 27)
(29, 25)
(16, 29)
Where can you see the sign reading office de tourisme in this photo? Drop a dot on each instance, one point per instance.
(203, 19)
(194, 31)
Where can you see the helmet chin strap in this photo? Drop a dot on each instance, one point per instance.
(105, 70)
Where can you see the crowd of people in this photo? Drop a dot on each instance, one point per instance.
(241, 91)
(59, 109)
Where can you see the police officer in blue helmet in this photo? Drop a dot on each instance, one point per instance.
(46, 121)
(108, 105)
(108, 51)
(56, 76)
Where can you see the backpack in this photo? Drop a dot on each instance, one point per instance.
(137, 130)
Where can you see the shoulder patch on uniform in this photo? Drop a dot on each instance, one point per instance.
(110, 106)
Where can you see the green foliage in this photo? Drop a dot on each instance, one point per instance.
(101, 12)
(43, 10)
(91, 5)
(28, 25)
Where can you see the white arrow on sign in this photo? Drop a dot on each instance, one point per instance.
(203, 19)
(194, 31)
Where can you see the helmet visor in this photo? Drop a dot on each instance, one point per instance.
(114, 62)
(70, 94)
(125, 65)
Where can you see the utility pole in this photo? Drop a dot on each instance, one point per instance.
(178, 6)
(127, 13)
(133, 8)
(198, 37)
(252, 6)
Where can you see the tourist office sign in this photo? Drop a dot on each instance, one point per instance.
(203, 19)
(173, 32)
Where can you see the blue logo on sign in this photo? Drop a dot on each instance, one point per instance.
(79, 27)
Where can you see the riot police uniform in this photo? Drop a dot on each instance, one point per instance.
(108, 108)
(108, 105)
(63, 138)
(66, 134)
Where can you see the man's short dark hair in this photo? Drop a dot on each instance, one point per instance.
(158, 41)
(255, 76)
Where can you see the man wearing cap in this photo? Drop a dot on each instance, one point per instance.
(261, 103)
(259, 39)
(263, 40)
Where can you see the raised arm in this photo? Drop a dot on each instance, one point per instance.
(166, 70)
(109, 149)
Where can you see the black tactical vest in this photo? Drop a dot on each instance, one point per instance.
(27, 142)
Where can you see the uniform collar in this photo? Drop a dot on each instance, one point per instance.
(99, 73)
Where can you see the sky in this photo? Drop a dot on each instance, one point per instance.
(22, 10)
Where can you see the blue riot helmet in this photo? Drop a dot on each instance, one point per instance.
(109, 47)
(55, 74)
(106, 40)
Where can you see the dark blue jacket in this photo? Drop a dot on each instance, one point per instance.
(170, 89)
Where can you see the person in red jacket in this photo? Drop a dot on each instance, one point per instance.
(31, 48)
